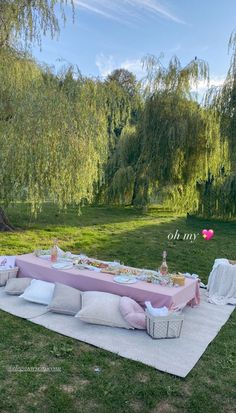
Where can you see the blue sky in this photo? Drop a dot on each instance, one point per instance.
(108, 34)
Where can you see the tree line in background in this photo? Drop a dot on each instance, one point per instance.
(71, 139)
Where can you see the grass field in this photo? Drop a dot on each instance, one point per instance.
(119, 385)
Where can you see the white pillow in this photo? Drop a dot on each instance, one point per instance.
(40, 292)
(102, 308)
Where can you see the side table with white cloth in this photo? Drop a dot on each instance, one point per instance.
(222, 283)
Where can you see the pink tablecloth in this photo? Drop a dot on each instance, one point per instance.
(86, 280)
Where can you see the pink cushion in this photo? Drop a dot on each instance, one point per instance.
(133, 313)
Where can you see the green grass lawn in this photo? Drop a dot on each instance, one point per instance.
(120, 385)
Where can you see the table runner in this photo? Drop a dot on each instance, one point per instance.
(86, 280)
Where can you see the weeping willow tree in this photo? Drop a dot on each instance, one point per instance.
(52, 128)
(175, 145)
(24, 21)
(53, 136)
(218, 192)
(69, 139)
(123, 104)
(56, 131)
(121, 168)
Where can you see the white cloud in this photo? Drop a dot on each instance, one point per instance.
(106, 64)
(125, 11)
(215, 81)
(91, 6)
(155, 7)
(134, 66)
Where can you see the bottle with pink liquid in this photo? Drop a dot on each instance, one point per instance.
(164, 267)
(54, 252)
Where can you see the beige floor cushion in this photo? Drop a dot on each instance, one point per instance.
(16, 286)
(4, 276)
(65, 300)
(102, 308)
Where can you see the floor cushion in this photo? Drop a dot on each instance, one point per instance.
(102, 308)
(65, 300)
(133, 313)
(17, 286)
(40, 292)
(4, 277)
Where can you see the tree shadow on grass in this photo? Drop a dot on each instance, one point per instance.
(50, 215)
(143, 246)
(131, 237)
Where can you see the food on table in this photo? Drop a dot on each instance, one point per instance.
(149, 276)
(96, 264)
(150, 273)
(91, 262)
(111, 270)
(121, 270)
(129, 270)
(39, 253)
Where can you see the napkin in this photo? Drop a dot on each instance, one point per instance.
(155, 312)
(188, 275)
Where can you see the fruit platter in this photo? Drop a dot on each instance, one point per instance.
(121, 270)
(90, 263)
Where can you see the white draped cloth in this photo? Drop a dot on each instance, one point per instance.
(7, 262)
(221, 286)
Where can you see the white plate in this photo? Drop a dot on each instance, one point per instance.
(125, 279)
(45, 257)
(62, 265)
(88, 267)
(64, 259)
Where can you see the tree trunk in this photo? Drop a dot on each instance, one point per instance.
(4, 222)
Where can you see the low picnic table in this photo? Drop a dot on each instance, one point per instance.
(86, 280)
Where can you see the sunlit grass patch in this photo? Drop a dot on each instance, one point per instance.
(90, 379)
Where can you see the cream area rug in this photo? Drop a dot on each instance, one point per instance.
(174, 356)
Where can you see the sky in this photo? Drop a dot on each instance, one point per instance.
(108, 34)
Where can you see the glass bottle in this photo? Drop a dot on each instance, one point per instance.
(164, 267)
(54, 252)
